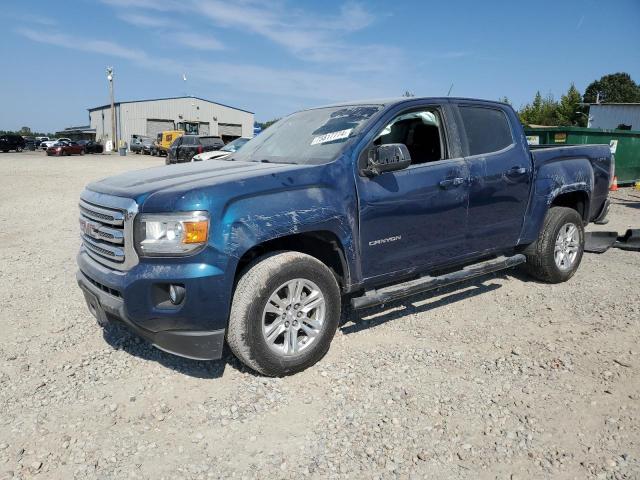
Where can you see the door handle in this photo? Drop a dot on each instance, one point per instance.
(516, 171)
(451, 182)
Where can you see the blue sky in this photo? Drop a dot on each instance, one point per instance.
(276, 56)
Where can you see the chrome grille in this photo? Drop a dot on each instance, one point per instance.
(106, 228)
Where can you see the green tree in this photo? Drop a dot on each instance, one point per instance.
(570, 111)
(542, 111)
(613, 88)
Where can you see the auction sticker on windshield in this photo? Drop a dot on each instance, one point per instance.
(330, 137)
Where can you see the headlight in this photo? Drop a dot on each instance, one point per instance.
(172, 233)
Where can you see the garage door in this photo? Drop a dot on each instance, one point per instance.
(155, 126)
(203, 128)
(230, 129)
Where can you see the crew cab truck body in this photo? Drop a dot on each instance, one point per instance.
(332, 208)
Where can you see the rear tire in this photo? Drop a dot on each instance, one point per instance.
(557, 254)
(304, 315)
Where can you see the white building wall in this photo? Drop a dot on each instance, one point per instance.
(131, 117)
(609, 116)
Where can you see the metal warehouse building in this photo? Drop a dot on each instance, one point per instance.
(614, 115)
(191, 114)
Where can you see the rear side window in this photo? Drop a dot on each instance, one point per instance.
(487, 129)
(187, 140)
(210, 141)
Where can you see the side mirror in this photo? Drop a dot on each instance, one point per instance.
(387, 158)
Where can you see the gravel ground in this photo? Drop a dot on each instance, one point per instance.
(501, 378)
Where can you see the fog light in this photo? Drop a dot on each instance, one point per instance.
(176, 294)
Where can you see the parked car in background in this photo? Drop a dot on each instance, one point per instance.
(228, 149)
(141, 145)
(65, 148)
(137, 144)
(91, 147)
(185, 147)
(11, 142)
(49, 143)
(39, 140)
(29, 143)
(147, 145)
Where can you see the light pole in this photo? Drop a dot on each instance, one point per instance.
(113, 109)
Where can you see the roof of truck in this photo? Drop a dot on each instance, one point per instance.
(397, 100)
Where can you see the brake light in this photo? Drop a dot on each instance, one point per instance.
(200, 149)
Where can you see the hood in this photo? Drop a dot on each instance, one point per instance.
(180, 178)
(212, 155)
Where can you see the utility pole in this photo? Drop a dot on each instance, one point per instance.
(113, 108)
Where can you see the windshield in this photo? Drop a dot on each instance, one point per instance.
(307, 137)
(235, 145)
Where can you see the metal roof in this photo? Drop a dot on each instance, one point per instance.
(167, 98)
(82, 128)
(601, 104)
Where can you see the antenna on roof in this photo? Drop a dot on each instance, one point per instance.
(184, 79)
(450, 88)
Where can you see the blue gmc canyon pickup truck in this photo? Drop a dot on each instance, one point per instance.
(345, 206)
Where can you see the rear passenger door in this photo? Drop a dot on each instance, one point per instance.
(500, 176)
(187, 148)
(174, 149)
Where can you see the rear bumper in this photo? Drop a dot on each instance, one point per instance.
(108, 307)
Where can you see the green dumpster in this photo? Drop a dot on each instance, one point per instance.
(625, 145)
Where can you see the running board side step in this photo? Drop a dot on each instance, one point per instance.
(423, 284)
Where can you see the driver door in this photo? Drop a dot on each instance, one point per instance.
(416, 217)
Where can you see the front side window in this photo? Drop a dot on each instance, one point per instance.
(420, 131)
(487, 129)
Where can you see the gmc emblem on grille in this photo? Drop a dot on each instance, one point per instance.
(87, 228)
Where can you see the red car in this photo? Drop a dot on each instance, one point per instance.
(66, 148)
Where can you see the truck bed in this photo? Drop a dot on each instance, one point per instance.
(598, 156)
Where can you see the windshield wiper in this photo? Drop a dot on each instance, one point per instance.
(265, 160)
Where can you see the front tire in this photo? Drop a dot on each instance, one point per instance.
(557, 254)
(285, 312)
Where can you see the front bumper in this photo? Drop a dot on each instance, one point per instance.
(195, 330)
